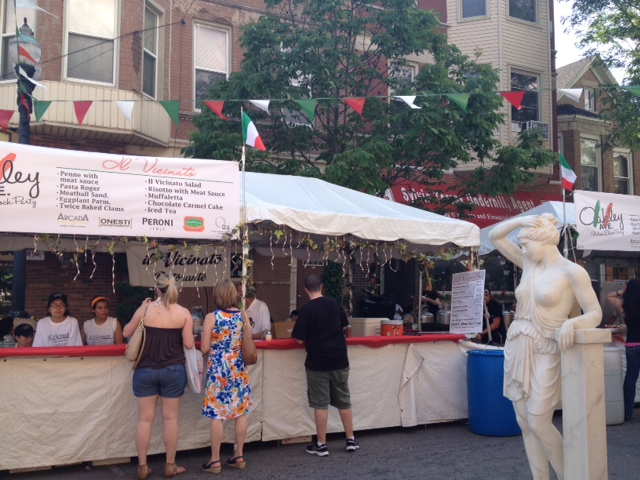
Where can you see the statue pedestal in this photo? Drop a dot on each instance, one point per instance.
(583, 406)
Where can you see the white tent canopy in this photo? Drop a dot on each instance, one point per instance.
(315, 206)
(554, 208)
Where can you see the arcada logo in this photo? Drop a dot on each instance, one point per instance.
(62, 218)
(602, 219)
(193, 224)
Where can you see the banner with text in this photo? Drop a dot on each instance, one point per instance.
(46, 190)
(607, 221)
(194, 267)
(467, 302)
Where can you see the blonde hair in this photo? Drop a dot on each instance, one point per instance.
(225, 294)
(166, 285)
(546, 234)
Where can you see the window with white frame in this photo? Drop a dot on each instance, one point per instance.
(211, 53)
(12, 19)
(590, 99)
(91, 40)
(622, 172)
(474, 8)
(590, 161)
(530, 106)
(150, 51)
(401, 76)
(523, 10)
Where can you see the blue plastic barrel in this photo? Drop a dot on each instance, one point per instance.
(490, 413)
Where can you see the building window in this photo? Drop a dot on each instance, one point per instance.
(523, 9)
(91, 38)
(590, 164)
(590, 99)
(530, 106)
(621, 173)
(11, 21)
(402, 77)
(150, 55)
(474, 8)
(211, 59)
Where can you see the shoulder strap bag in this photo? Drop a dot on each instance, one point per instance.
(135, 346)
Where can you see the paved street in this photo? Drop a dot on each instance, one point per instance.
(440, 451)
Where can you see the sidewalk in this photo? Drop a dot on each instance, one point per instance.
(435, 452)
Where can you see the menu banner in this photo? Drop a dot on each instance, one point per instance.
(467, 302)
(46, 190)
(607, 221)
(202, 266)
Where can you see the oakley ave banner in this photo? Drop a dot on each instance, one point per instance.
(47, 190)
(607, 221)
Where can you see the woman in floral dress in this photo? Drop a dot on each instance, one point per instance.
(228, 392)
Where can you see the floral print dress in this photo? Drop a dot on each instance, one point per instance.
(228, 392)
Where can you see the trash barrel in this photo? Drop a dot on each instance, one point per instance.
(613, 396)
(490, 413)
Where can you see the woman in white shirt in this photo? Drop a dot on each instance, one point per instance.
(101, 329)
(59, 329)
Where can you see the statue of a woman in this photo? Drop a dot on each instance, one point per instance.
(541, 329)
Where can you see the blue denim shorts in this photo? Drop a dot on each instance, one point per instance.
(168, 382)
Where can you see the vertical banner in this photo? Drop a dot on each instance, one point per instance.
(46, 190)
(467, 302)
(607, 221)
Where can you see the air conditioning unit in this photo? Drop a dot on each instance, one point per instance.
(542, 127)
(516, 127)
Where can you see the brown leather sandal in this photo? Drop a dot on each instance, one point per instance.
(173, 470)
(144, 472)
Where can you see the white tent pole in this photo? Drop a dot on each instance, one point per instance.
(564, 225)
(245, 227)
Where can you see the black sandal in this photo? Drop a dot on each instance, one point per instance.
(236, 463)
(209, 467)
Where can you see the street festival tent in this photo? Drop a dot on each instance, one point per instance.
(303, 205)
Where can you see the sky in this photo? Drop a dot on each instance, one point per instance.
(565, 43)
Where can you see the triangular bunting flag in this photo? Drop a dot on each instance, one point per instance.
(261, 104)
(31, 4)
(460, 99)
(632, 90)
(126, 108)
(23, 51)
(408, 99)
(5, 118)
(514, 98)
(250, 133)
(27, 77)
(172, 107)
(356, 103)
(308, 107)
(216, 107)
(573, 93)
(81, 108)
(40, 107)
(22, 97)
(568, 175)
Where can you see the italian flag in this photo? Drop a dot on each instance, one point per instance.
(250, 133)
(568, 175)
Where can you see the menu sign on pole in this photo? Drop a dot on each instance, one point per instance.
(467, 302)
(45, 190)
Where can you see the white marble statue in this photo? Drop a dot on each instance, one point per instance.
(541, 329)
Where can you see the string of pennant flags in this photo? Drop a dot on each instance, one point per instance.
(308, 106)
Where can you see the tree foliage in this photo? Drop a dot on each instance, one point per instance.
(612, 31)
(334, 49)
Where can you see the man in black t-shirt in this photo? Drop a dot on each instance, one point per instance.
(496, 321)
(320, 326)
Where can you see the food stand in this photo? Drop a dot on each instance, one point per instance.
(80, 398)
